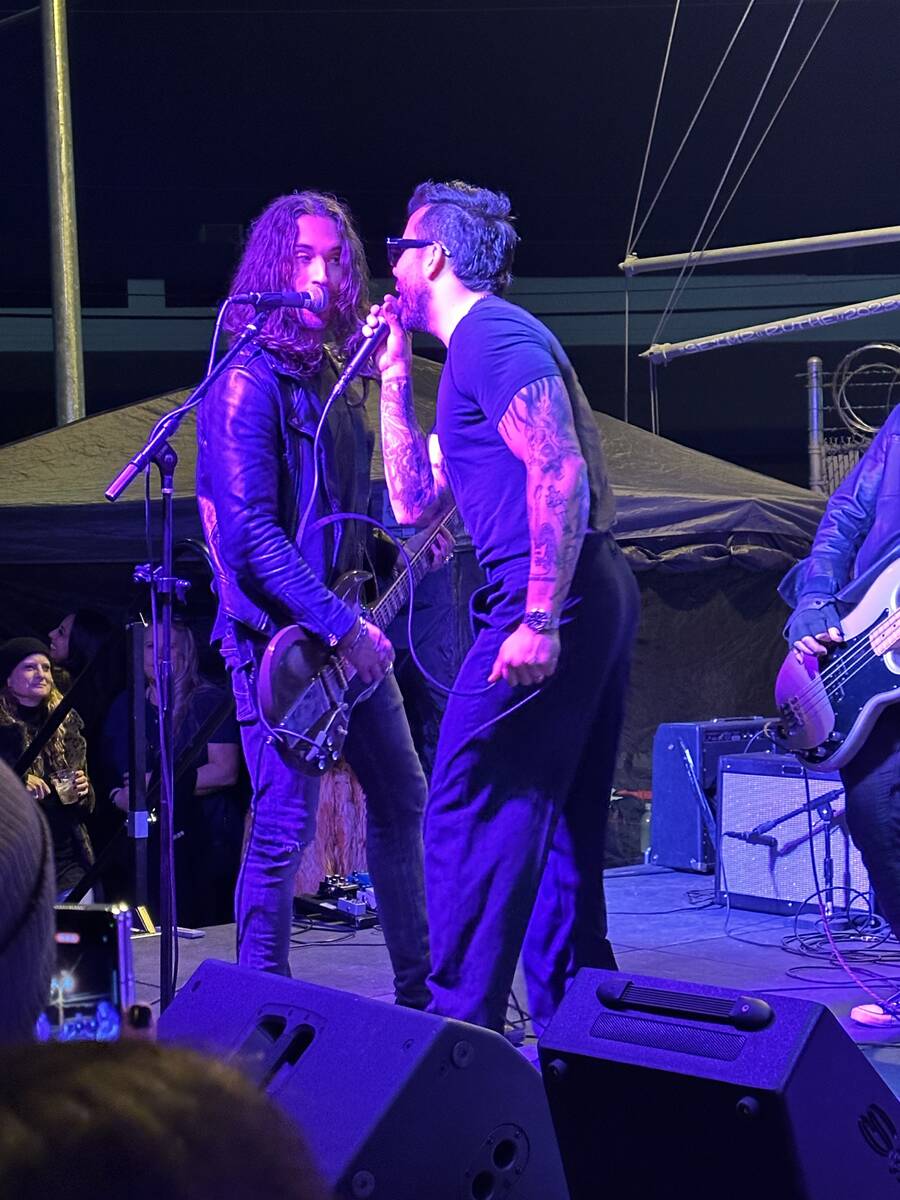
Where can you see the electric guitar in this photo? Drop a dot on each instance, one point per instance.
(306, 690)
(830, 702)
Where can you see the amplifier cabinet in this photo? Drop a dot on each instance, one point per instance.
(686, 757)
(777, 875)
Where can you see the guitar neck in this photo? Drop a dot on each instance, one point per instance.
(884, 637)
(397, 594)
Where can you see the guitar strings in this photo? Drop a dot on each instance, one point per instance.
(893, 621)
(852, 662)
(816, 695)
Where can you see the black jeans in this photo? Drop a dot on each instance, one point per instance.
(380, 750)
(872, 783)
(516, 819)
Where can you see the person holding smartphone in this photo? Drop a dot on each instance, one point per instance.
(57, 778)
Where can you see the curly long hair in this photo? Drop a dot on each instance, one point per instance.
(53, 756)
(267, 265)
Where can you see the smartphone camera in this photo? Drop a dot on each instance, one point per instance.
(93, 983)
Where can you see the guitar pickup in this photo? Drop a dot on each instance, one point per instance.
(337, 675)
(792, 720)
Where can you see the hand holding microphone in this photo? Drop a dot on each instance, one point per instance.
(383, 324)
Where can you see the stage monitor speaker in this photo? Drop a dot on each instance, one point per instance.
(686, 757)
(395, 1104)
(777, 876)
(660, 1088)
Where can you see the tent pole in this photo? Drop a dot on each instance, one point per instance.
(68, 357)
(632, 265)
(661, 352)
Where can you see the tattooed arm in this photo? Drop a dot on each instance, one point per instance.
(538, 428)
(412, 464)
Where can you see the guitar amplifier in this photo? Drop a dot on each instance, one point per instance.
(775, 873)
(685, 776)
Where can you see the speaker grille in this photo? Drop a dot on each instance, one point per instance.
(669, 1035)
(757, 789)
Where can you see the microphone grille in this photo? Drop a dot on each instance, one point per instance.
(318, 298)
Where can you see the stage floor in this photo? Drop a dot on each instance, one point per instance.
(662, 923)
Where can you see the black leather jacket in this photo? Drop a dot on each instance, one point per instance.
(860, 531)
(255, 431)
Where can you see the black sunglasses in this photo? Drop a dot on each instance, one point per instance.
(396, 246)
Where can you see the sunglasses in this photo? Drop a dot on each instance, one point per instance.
(397, 246)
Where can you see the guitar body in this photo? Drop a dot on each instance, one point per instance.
(307, 692)
(830, 703)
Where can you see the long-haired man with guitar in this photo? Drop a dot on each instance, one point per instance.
(516, 818)
(838, 687)
(263, 465)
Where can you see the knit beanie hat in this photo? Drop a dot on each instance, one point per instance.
(27, 948)
(14, 651)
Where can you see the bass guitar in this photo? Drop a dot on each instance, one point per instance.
(830, 702)
(306, 690)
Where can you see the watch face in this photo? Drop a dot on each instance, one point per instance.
(537, 620)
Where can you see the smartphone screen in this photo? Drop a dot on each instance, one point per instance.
(92, 983)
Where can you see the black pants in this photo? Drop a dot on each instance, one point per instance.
(516, 818)
(872, 783)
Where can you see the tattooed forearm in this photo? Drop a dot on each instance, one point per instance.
(539, 429)
(407, 468)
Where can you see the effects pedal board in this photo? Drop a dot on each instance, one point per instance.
(340, 900)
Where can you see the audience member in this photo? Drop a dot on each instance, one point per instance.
(88, 639)
(57, 778)
(208, 814)
(27, 950)
(87, 646)
(83, 1120)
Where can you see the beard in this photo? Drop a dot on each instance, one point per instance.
(414, 309)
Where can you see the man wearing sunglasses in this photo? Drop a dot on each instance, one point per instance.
(256, 471)
(516, 817)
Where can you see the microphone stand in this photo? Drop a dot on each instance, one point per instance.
(164, 588)
(822, 806)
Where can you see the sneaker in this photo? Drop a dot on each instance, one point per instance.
(878, 1014)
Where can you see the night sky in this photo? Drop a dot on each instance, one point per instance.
(188, 117)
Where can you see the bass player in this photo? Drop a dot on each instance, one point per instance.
(859, 534)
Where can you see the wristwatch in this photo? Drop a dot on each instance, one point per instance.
(539, 620)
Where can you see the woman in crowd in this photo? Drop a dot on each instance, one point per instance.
(208, 815)
(57, 778)
(87, 639)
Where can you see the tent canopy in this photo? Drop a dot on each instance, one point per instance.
(675, 505)
(709, 542)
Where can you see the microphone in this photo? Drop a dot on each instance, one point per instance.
(359, 359)
(755, 839)
(316, 299)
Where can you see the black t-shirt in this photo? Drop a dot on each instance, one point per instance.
(496, 350)
(190, 811)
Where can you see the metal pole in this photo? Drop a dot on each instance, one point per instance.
(816, 411)
(725, 254)
(661, 352)
(69, 363)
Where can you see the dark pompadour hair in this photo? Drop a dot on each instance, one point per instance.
(476, 227)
